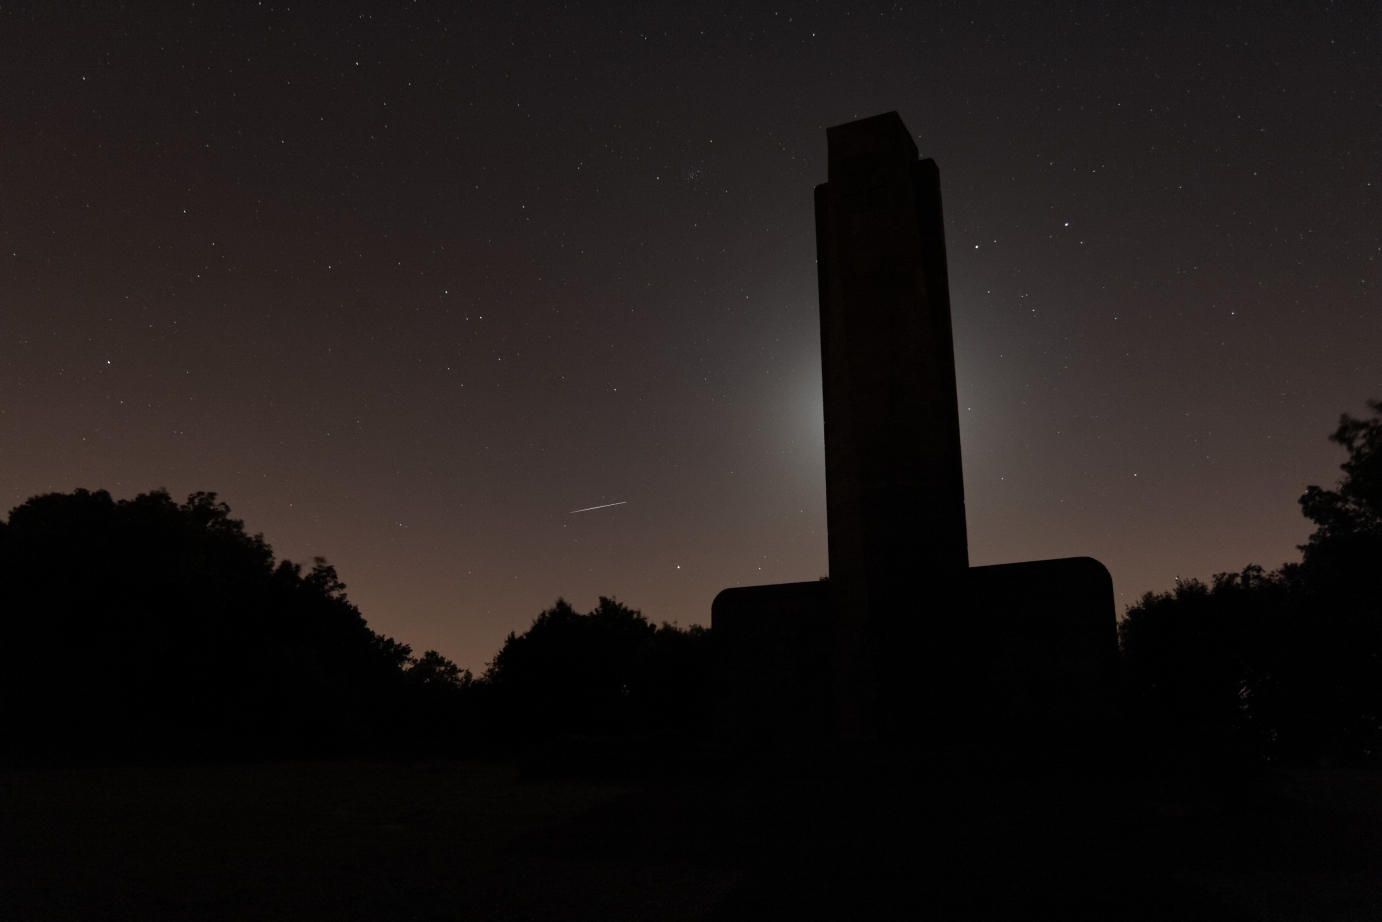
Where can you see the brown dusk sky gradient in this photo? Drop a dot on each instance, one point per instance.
(406, 283)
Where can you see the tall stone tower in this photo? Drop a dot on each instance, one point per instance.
(905, 643)
(894, 480)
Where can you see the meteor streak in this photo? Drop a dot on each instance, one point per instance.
(605, 506)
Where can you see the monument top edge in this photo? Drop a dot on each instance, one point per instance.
(875, 134)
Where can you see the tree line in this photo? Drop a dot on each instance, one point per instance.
(1286, 662)
(155, 628)
(161, 629)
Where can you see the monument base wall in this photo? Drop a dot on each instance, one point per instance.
(1048, 632)
(772, 663)
(1042, 637)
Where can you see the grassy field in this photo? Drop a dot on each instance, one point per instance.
(470, 840)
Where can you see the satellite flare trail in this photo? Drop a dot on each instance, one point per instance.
(605, 506)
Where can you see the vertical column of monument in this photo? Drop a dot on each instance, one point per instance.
(894, 483)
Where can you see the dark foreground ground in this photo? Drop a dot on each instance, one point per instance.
(471, 840)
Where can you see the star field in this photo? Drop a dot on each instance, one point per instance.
(406, 284)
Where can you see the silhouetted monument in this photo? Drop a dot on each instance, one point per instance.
(904, 639)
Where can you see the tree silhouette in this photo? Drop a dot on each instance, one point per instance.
(148, 626)
(1354, 509)
(1195, 655)
(1290, 659)
(1329, 674)
(607, 672)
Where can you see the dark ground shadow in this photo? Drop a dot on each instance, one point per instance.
(353, 840)
(1173, 838)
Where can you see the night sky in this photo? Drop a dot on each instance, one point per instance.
(406, 284)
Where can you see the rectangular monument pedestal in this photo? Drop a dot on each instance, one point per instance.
(1044, 667)
(772, 663)
(1048, 629)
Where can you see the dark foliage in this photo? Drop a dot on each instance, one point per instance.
(1289, 660)
(607, 672)
(1353, 512)
(1190, 651)
(145, 626)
